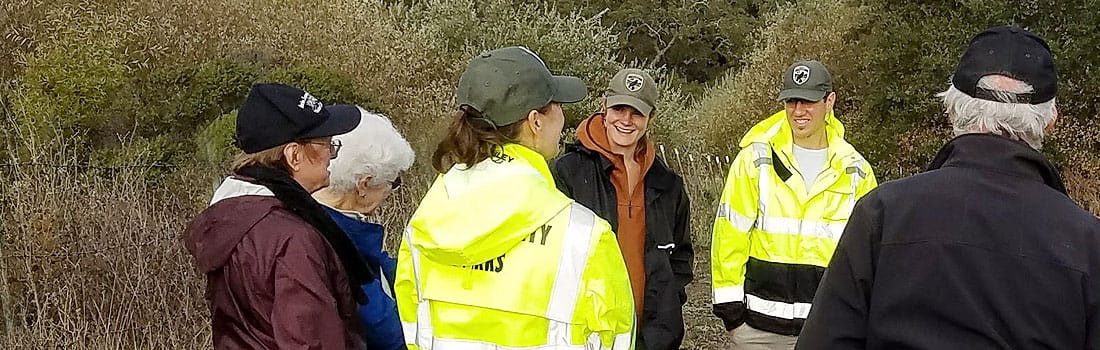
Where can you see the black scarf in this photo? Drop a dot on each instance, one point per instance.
(291, 193)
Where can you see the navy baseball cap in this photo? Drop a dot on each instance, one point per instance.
(1012, 52)
(276, 114)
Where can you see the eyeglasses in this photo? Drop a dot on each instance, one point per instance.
(396, 183)
(333, 147)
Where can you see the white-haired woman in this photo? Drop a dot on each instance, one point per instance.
(372, 158)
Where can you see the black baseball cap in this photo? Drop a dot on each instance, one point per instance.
(276, 114)
(1012, 52)
(806, 80)
(505, 84)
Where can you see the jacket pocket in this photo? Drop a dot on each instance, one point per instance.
(663, 323)
(838, 204)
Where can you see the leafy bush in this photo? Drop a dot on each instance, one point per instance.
(332, 86)
(913, 48)
(157, 156)
(174, 99)
(745, 97)
(68, 88)
(215, 142)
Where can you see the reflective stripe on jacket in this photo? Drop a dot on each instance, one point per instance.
(669, 253)
(773, 238)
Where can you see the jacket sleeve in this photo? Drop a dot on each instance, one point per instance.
(683, 256)
(868, 183)
(389, 269)
(305, 315)
(737, 210)
(1092, 323)
(1093, 331)
(1092, 312)
(607, 304)
(381, 326)
(558, 171)
(406, 293)
(838, 319)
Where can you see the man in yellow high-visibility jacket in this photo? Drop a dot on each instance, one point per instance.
(787, 198)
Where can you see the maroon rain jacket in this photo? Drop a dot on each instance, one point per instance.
(272, 280)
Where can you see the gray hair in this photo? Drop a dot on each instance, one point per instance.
(374, 148)
(1006, 117)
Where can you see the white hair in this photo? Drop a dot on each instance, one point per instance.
(1006, 117)
(374, 148)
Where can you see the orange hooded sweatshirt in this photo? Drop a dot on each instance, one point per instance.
(631, 230)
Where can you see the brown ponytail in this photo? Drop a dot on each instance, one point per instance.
(472, 139)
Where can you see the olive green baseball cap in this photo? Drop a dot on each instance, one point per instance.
(635, 88)
(806, 80)
(506, 84)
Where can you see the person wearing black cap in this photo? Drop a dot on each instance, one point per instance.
(495, 257)
(280, 272)
(984, 250)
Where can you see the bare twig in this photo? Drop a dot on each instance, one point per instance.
(5, 298)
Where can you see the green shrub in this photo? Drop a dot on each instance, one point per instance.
(458, 30)
(174, 99)
(743, 98)
(214, 142)
(913, 48)
(67, 89)
(330, 86)
(155, 158)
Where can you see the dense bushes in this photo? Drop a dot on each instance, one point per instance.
(124, 110)
(126, 76)
(889, 59)
(913, 47)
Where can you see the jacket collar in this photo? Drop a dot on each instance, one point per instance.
(996, 153)
(347, 214)
(659, 177)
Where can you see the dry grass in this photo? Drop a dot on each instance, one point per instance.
(93, 259)
(704, 177)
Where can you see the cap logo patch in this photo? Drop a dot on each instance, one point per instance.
(801, 74)
(633, 82)
(310, 103)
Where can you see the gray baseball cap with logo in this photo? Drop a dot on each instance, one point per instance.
(635, 88)
(806, 80)
(506, 84)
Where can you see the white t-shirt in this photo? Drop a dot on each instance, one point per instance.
(810, 163)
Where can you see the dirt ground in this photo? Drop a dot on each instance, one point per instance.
(704, 330)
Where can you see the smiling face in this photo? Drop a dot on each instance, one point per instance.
(625, 126)
(807, 120)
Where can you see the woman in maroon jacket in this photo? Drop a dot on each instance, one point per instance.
(279, 270)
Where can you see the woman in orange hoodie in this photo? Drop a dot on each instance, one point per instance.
(614, 170)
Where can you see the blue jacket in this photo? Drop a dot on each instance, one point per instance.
(381, 325)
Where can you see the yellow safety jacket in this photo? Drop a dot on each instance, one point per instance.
(773, 238)
(496, 257)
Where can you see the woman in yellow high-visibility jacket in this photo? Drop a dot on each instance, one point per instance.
(495, 257)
